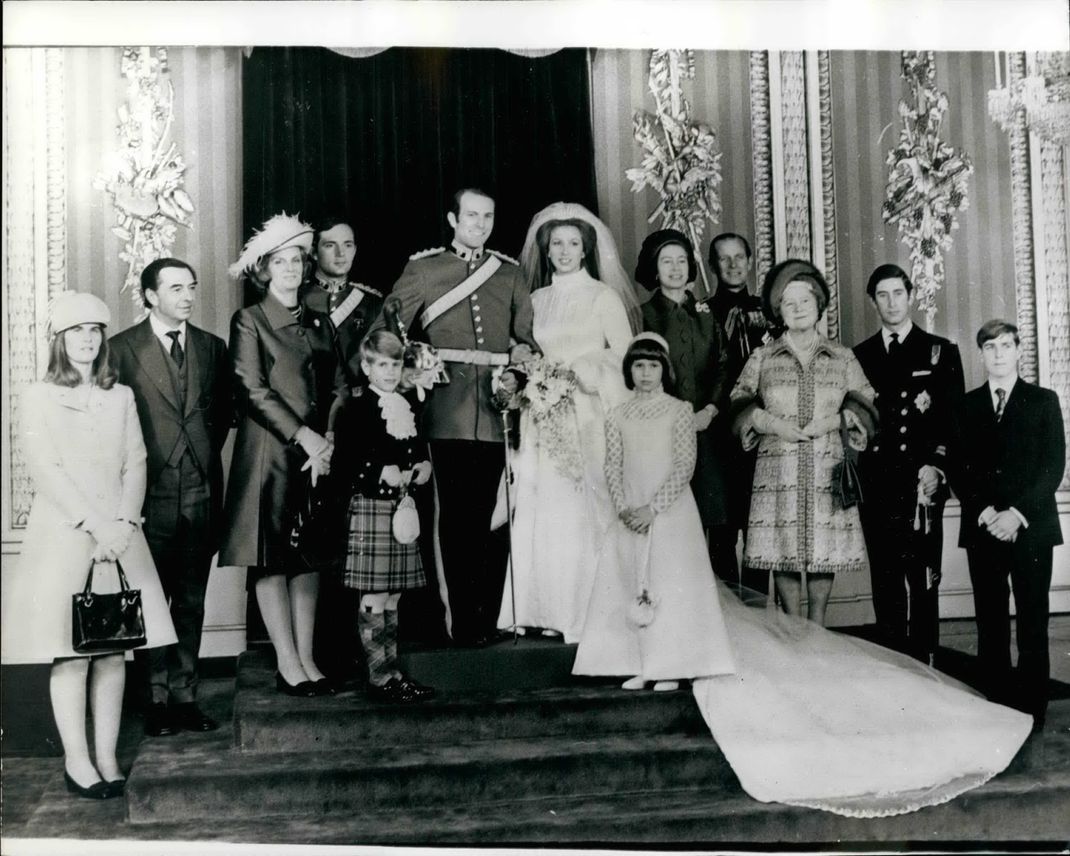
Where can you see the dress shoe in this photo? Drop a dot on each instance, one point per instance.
(191, 718)
(417, 690)
(117, 787)
(96, 791)
(158, 721)
(304, 689)
(393, 691)
(324, 687)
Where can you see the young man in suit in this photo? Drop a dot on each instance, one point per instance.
(1008, 462)
(918, 379)
(180, 376)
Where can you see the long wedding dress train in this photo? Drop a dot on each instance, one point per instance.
(822, 720)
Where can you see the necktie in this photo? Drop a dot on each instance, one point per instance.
(177, 354)
(1001, 400)
(894, 345)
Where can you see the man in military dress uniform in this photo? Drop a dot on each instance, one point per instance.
(745, 328)
(351, 306)
(473, 305)
(918, 379)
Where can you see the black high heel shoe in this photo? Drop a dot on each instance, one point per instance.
(97, 791)
(304, 689)
(324, 687)
(117, 786)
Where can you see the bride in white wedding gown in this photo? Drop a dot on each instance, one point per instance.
(585, 313)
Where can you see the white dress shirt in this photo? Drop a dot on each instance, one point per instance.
(161, 330)
(886, 334)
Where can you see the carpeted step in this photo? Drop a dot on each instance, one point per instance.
(169, 784)
(270, 722)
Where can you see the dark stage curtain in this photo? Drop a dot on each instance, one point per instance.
(389, 138)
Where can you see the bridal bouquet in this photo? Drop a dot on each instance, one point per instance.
(546, 392)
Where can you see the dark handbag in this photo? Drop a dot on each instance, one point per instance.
(846, 486)
(107, 622)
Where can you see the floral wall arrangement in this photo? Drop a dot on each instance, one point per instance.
(928, 180)
(681, 161)
(144, 177)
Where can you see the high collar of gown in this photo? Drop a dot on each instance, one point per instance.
(573, 279)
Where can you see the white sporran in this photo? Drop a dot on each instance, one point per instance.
(406, 522)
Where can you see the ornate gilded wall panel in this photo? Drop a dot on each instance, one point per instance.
(828, 193)
(1056, 291)
(1024, 273)
(761, 149)
(796, 163)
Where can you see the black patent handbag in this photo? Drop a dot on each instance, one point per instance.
(107, 622)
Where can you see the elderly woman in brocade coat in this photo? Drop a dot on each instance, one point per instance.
(796, 388)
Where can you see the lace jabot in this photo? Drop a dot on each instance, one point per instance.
(398, 415)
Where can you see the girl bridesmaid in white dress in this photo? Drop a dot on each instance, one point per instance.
(655, 612)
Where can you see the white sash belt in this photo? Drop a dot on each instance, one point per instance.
(460, 291)
(473, 357)
(344, 309)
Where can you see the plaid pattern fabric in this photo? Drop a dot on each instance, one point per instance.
(375, 561)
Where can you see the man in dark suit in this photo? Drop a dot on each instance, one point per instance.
(473, 305)
(180, 376)
(918, 379)
(1008, 461)
(745, 328)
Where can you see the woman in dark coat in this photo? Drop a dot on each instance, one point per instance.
(287, 378)
(699, 358)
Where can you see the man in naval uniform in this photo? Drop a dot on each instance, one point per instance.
(473, 305)
(745, 328)
(351, 306)
(919, 383)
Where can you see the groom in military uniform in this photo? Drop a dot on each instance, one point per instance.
(473, 305)
(918, 380)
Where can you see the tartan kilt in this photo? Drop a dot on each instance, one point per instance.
(375, 561)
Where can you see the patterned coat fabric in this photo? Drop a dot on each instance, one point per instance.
(494, 317)
(286, 375)
(84, 451)
(795, 522)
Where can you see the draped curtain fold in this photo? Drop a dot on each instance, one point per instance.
(387, 139)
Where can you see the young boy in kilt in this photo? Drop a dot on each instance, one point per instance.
(385, 460)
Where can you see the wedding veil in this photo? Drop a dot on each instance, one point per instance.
(610, 271)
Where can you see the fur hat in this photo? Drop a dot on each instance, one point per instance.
(646, 269)
(277, 233)
(777, 280)
(71, 308)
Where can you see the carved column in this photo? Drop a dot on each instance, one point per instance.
(827, 185)
(796, 164)
(761, 149)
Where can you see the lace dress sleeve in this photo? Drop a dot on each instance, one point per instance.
(685, 450)
(615, 461)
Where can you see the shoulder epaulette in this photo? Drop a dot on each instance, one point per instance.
(373, 291)
(423, 254)
(504, 257)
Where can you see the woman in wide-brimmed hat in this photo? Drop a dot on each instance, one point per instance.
(83, 447)
(287, 376)
(797, 387)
